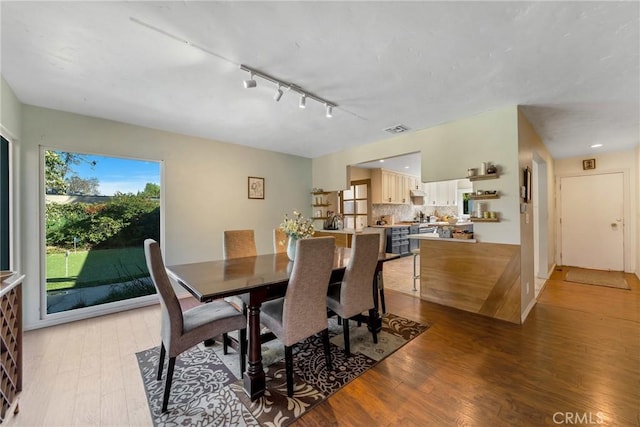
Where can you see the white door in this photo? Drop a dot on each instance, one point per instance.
(592, 225)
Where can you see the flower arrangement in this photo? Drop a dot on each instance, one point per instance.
(297, 227)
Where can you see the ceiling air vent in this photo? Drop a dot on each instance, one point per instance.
(396, 129)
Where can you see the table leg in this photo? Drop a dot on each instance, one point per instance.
(254, 378)
(375, 322)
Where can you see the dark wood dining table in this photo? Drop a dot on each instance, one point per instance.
(262, 277)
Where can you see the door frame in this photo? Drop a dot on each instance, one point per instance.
(627, 237)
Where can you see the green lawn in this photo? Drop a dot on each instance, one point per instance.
(95, 267)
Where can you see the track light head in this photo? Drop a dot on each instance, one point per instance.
(303, 101)
(329, 110)
(250, 82)
(278, 94)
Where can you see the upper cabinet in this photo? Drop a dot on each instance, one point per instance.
(441, 193)
(391, 187)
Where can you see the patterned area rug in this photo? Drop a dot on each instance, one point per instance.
(206, 388)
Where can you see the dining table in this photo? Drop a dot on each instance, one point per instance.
(262, 278)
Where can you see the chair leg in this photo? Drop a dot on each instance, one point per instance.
(167, 387)
(288, 361)
(345, 332)
(243, 351)
(225, 343)
(161, 361)
(373, 329)
(327, 349)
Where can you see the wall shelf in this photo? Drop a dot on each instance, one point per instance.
(484, 219)
(482, 177)
(315, 205)
(483, 196)
(318, 193)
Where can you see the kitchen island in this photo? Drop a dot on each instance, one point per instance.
(482, 278)
(343, 236)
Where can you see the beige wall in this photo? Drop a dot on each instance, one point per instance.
(448, 151)
(204, 187)
(623, 161)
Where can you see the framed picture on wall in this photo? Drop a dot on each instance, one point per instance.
(589, 164)
(256, 187)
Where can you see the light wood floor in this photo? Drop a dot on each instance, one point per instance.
(579, 352)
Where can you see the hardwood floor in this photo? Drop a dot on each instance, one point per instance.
(577, 355)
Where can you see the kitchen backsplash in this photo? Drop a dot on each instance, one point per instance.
(409, 212)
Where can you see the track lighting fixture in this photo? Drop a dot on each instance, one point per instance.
(250, 83)
(289, 86)
(278, 94)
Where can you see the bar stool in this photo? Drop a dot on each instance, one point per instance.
(416, 276)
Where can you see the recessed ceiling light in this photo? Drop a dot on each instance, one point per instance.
(406, 167)
(381, 160)
(596, 145)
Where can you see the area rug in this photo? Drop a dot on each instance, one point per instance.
(206, 388)
(611, 279)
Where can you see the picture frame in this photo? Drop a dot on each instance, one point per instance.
(255, 187)
(588, 164)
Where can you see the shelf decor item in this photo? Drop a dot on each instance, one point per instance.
(256, 187)
(296, 228)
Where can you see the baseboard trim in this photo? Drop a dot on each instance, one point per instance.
(528, 310)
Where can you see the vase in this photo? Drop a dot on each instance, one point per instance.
(291, 248)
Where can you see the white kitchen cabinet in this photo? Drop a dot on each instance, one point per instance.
(441, 193)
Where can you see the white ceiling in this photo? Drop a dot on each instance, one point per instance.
(574, 66)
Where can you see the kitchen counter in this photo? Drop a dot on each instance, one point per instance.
(341, 231)
(424, 224)
(435, 236)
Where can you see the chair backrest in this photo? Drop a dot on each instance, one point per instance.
(381, 232)
(305, 303)
(239, 244)
(172, 321)
(356, 293)
(279, 241)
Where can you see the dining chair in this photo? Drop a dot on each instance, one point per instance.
(239, 244)
(302, 312)
(382, 232)
(279, 241)
(181, 330)
(353, 295)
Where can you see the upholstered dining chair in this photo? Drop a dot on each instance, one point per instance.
(183, 330)
(279, 241)
(239, 244)
(302, 312)
(353, 295)
(382, 232)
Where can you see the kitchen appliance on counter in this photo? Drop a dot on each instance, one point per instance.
(388, 219)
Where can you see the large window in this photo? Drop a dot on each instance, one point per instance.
(98, 211)
(355, 203)
(5, 241)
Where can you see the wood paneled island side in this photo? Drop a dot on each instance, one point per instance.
(482, 278)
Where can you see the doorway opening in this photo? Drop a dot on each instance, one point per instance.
(540, 223)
